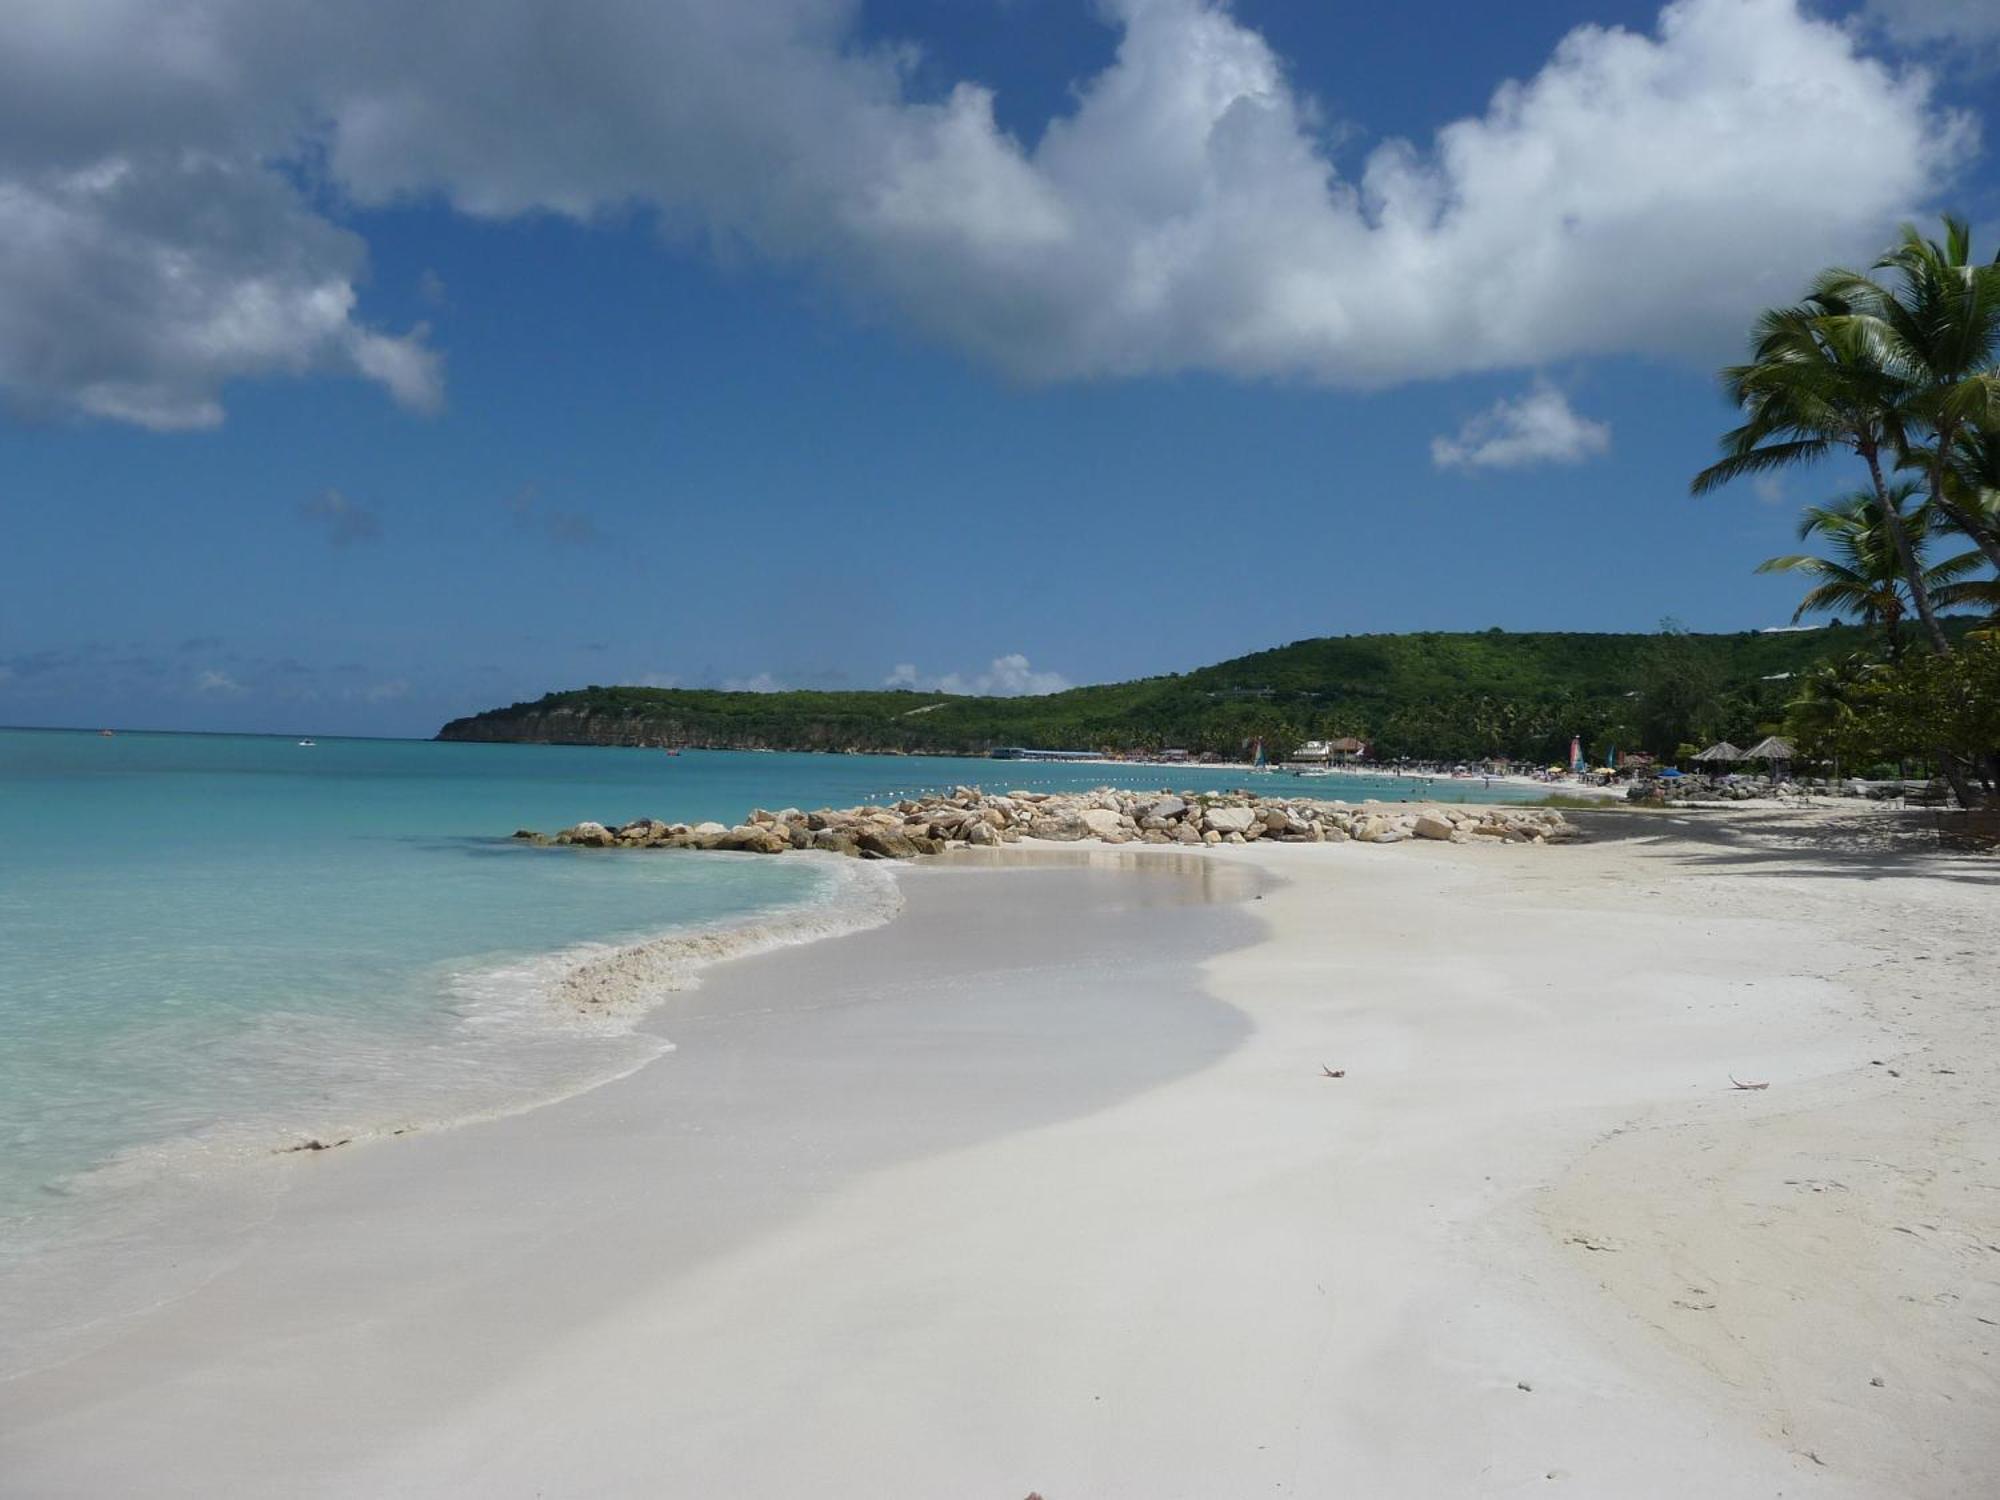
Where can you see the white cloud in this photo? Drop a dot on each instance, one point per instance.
(214, 684)
(135, 283)
(1769, 489)
(658, 680)
(1537, 428)
(762, 682)
(1008, 676)
(1638, 193)
(388, 692)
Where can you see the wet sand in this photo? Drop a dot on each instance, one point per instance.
(396, 1283)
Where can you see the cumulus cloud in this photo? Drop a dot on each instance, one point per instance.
(137, 280)
(342, 520)
(1537, 428)
(762, 682)
(1008, 676)
(1640, 192)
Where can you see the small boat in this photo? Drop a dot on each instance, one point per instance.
(308, 744)
(105, 734)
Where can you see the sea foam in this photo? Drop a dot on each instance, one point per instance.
(525, 1034)
(614, 988)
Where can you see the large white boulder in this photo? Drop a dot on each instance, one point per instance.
(1227, 820)
(1065, 827)
(1102, 822)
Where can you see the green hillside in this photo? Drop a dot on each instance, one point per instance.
(1422, 695)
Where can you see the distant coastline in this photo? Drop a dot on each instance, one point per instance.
(1426, 696)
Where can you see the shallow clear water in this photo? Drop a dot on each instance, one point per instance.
(212, 946)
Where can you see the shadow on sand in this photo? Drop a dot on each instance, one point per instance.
(1871, 844)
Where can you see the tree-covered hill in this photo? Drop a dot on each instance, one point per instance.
(1423, 695)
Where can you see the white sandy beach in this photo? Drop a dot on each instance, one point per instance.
(1042, 1188)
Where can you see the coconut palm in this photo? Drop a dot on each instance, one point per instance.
(1865, 574)
(1816, 384)
(1936, 330)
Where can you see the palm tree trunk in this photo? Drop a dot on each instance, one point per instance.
(1912, 574)
(1966, 522)
(1948, 766)
(1982, 536)
(1952, 769)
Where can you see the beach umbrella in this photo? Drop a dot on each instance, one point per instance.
(1721, 751)
(1670, 771)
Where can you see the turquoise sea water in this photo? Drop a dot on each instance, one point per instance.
(215, 946)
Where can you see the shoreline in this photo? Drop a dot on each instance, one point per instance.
(1040, 1231)
(465, 1184)
(595, 993)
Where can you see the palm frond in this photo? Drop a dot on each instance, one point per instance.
(1758, 461)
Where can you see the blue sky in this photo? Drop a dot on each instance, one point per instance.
(351, 387)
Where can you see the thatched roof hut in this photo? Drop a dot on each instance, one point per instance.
(1721, 751)
(1771, 748)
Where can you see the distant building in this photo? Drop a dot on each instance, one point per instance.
(1327, 752)
(1018, 752)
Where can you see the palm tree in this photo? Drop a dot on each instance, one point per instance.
(1937, 332)
(1815, 383)
(1972, 482)
(1860, 367)
(1865, 573)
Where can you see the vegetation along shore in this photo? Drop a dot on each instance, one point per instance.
(1426, 695)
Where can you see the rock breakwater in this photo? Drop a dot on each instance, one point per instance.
(967, 817)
